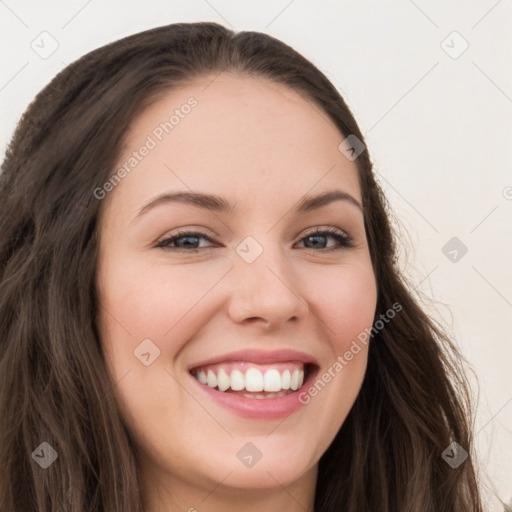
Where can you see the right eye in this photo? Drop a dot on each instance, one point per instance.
(186, 241)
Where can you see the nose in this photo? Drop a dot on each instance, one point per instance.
(265, 291)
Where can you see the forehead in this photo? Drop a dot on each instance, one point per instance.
(244, 137)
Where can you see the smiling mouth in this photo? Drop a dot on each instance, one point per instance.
(252, 380)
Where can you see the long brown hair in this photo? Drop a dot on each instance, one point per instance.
(54, 384)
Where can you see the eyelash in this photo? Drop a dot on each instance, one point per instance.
(343, 239)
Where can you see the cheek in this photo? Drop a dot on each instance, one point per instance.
(345, 303)
(140, 302)
(158, 302)
(151, 301)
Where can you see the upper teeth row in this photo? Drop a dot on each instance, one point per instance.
(252, 380)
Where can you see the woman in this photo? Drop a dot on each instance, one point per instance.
(199, 297)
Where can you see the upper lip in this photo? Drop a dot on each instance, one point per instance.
(257, 356)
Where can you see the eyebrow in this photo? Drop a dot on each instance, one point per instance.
(219, 204)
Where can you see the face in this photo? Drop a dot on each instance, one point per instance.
(215, 337)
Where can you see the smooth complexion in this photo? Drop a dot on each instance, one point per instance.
(263, 148)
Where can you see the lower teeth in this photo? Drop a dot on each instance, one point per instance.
(261, 396)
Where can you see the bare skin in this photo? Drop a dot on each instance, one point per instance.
(263, 148)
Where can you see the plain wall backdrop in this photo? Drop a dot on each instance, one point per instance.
(430, 84)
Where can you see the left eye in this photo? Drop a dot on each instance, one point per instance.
(186, 241)
(344, 240)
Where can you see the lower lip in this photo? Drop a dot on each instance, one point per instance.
(256, 408)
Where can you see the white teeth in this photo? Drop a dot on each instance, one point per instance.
(237, 380)
(286, 379)
(211, 379)
(273, 382)
(294, 384)
(253, 380)
(223, 380)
